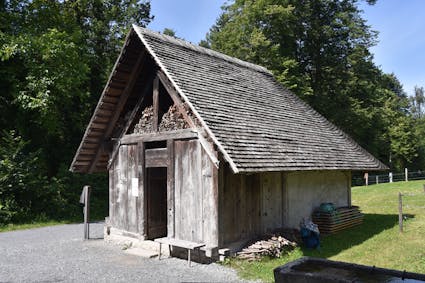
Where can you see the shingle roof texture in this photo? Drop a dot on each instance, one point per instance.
(261, 125)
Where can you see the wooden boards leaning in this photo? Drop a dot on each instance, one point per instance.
(337, 220)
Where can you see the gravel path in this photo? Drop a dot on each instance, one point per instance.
(58, 254)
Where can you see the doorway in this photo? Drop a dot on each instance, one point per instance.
(157, 201)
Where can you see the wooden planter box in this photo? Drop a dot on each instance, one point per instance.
(340, 219)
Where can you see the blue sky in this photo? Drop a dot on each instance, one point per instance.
(400, 23)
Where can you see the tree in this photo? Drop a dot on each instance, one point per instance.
(22, 190)
(417, 102)
(320, 50)
(54, 69)
(170, 32)
(104, 25)
(55, 57)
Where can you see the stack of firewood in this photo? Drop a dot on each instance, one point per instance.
(145, 124)
(273, 247)
(172, 120)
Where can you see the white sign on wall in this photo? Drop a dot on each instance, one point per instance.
(135, 187)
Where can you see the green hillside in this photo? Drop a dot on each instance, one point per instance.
(376, 242)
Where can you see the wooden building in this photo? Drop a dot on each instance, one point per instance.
(210, 149)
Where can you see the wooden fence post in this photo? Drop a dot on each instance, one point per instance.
(86, 192)
(400, 211)
(406, 174)
(377, 179)
(366, 178)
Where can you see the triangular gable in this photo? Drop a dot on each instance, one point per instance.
(171, 85)
(232, 103)
(123, 103)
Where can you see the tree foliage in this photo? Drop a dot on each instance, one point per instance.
(55, 57)
(320, 50)
(22, 189)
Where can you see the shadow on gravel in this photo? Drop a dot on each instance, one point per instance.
(372, 225)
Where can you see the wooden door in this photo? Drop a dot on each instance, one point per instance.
(157, 202)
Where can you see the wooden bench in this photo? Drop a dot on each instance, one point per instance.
(179, 243)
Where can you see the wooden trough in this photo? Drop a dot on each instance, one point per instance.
(337, 220)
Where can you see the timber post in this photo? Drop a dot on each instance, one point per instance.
(86, 210)
(406, 174)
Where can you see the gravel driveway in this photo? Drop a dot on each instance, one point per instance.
(58, 254)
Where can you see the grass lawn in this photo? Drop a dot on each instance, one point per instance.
(35, 224)
(376, 242)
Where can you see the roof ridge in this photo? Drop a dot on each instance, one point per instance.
(203, 50)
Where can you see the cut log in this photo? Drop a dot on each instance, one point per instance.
(271, 245)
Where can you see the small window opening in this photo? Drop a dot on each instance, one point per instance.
(156, 144)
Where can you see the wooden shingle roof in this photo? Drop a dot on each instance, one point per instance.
(261, 125)
(256, 123)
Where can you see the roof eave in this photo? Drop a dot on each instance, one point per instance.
(73, 166)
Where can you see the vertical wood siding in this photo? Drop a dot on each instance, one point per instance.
(126, 211)
(196, 196)
(131, 199)
(249, 204)
(192, 192)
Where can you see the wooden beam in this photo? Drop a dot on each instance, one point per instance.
(143, 220)
(170, 135)
(148, 137)
(155, 99)
(174, 96)
(208, 147)
(123, 99)
(177, 101)
(156, 157)
(137, 107)
(140, 167)
(170, 190)
(131, 117)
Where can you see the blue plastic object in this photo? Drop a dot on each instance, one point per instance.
(310, 238)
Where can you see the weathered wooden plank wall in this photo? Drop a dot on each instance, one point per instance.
(307, 190)
(249, 204)
(115, 194)
(126, 211)
(111, 193)
(170, 190)
(271, 191)
(196, 195)
(192, 191)
(141, 200)
(131, 196)
(209, 201)
(188, 191)
(121, 219)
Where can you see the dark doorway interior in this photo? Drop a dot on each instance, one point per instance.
(157, 202)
